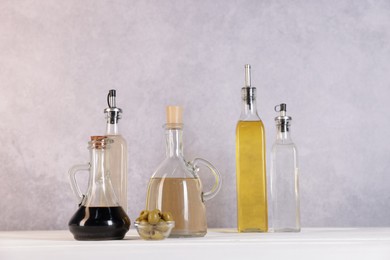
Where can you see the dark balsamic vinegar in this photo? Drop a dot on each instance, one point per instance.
(99, 223)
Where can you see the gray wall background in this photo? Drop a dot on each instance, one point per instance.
(328, 60)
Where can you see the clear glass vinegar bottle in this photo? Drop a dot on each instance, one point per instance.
(252, 213)
(99, 216)
(284, 177)
(118, 151)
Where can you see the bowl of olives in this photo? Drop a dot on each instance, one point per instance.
(154, 224)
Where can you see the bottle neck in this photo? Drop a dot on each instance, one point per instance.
(283, 133)
(112, 115)
(249, 111)
(112, 128)
(100, 191)
(174, 142)
(249, 106)
(98, 164)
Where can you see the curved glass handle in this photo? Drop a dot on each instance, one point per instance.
(73, 183)
(218, 180)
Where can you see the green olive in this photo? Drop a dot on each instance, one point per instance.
(167, 216)
(146, 227)
(157, 211)
(144, 234)
(162, 226)
(157, 235)
(144, 214)
(153, 217)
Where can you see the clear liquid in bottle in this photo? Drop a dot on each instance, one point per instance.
(284, 177)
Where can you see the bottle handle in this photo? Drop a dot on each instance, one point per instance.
(73, 183)
(218, 180)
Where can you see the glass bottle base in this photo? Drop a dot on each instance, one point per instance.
(277, 230)
(97, 233)
(252, 230)
(99, 223)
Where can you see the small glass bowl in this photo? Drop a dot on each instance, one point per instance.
(157, 231)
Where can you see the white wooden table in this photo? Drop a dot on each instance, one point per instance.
(311, 243)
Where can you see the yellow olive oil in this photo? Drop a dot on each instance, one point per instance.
(252, 214)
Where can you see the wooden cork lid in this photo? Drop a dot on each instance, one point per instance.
(174, 115)
(100, 142)
(98, 137)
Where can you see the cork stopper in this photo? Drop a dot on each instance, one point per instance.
(174, 116)
(98, 137)
(100, 142)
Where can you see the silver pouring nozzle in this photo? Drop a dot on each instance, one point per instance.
(111, 98)
(247, 75)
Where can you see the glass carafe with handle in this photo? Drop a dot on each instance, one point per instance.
(99, 216)
(175, 186)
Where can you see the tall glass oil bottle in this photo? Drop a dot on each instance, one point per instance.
(284, 176)
(118, 151)
(252, 214)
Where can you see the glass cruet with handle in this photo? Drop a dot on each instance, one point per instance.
(175, 186)
(99, 216)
